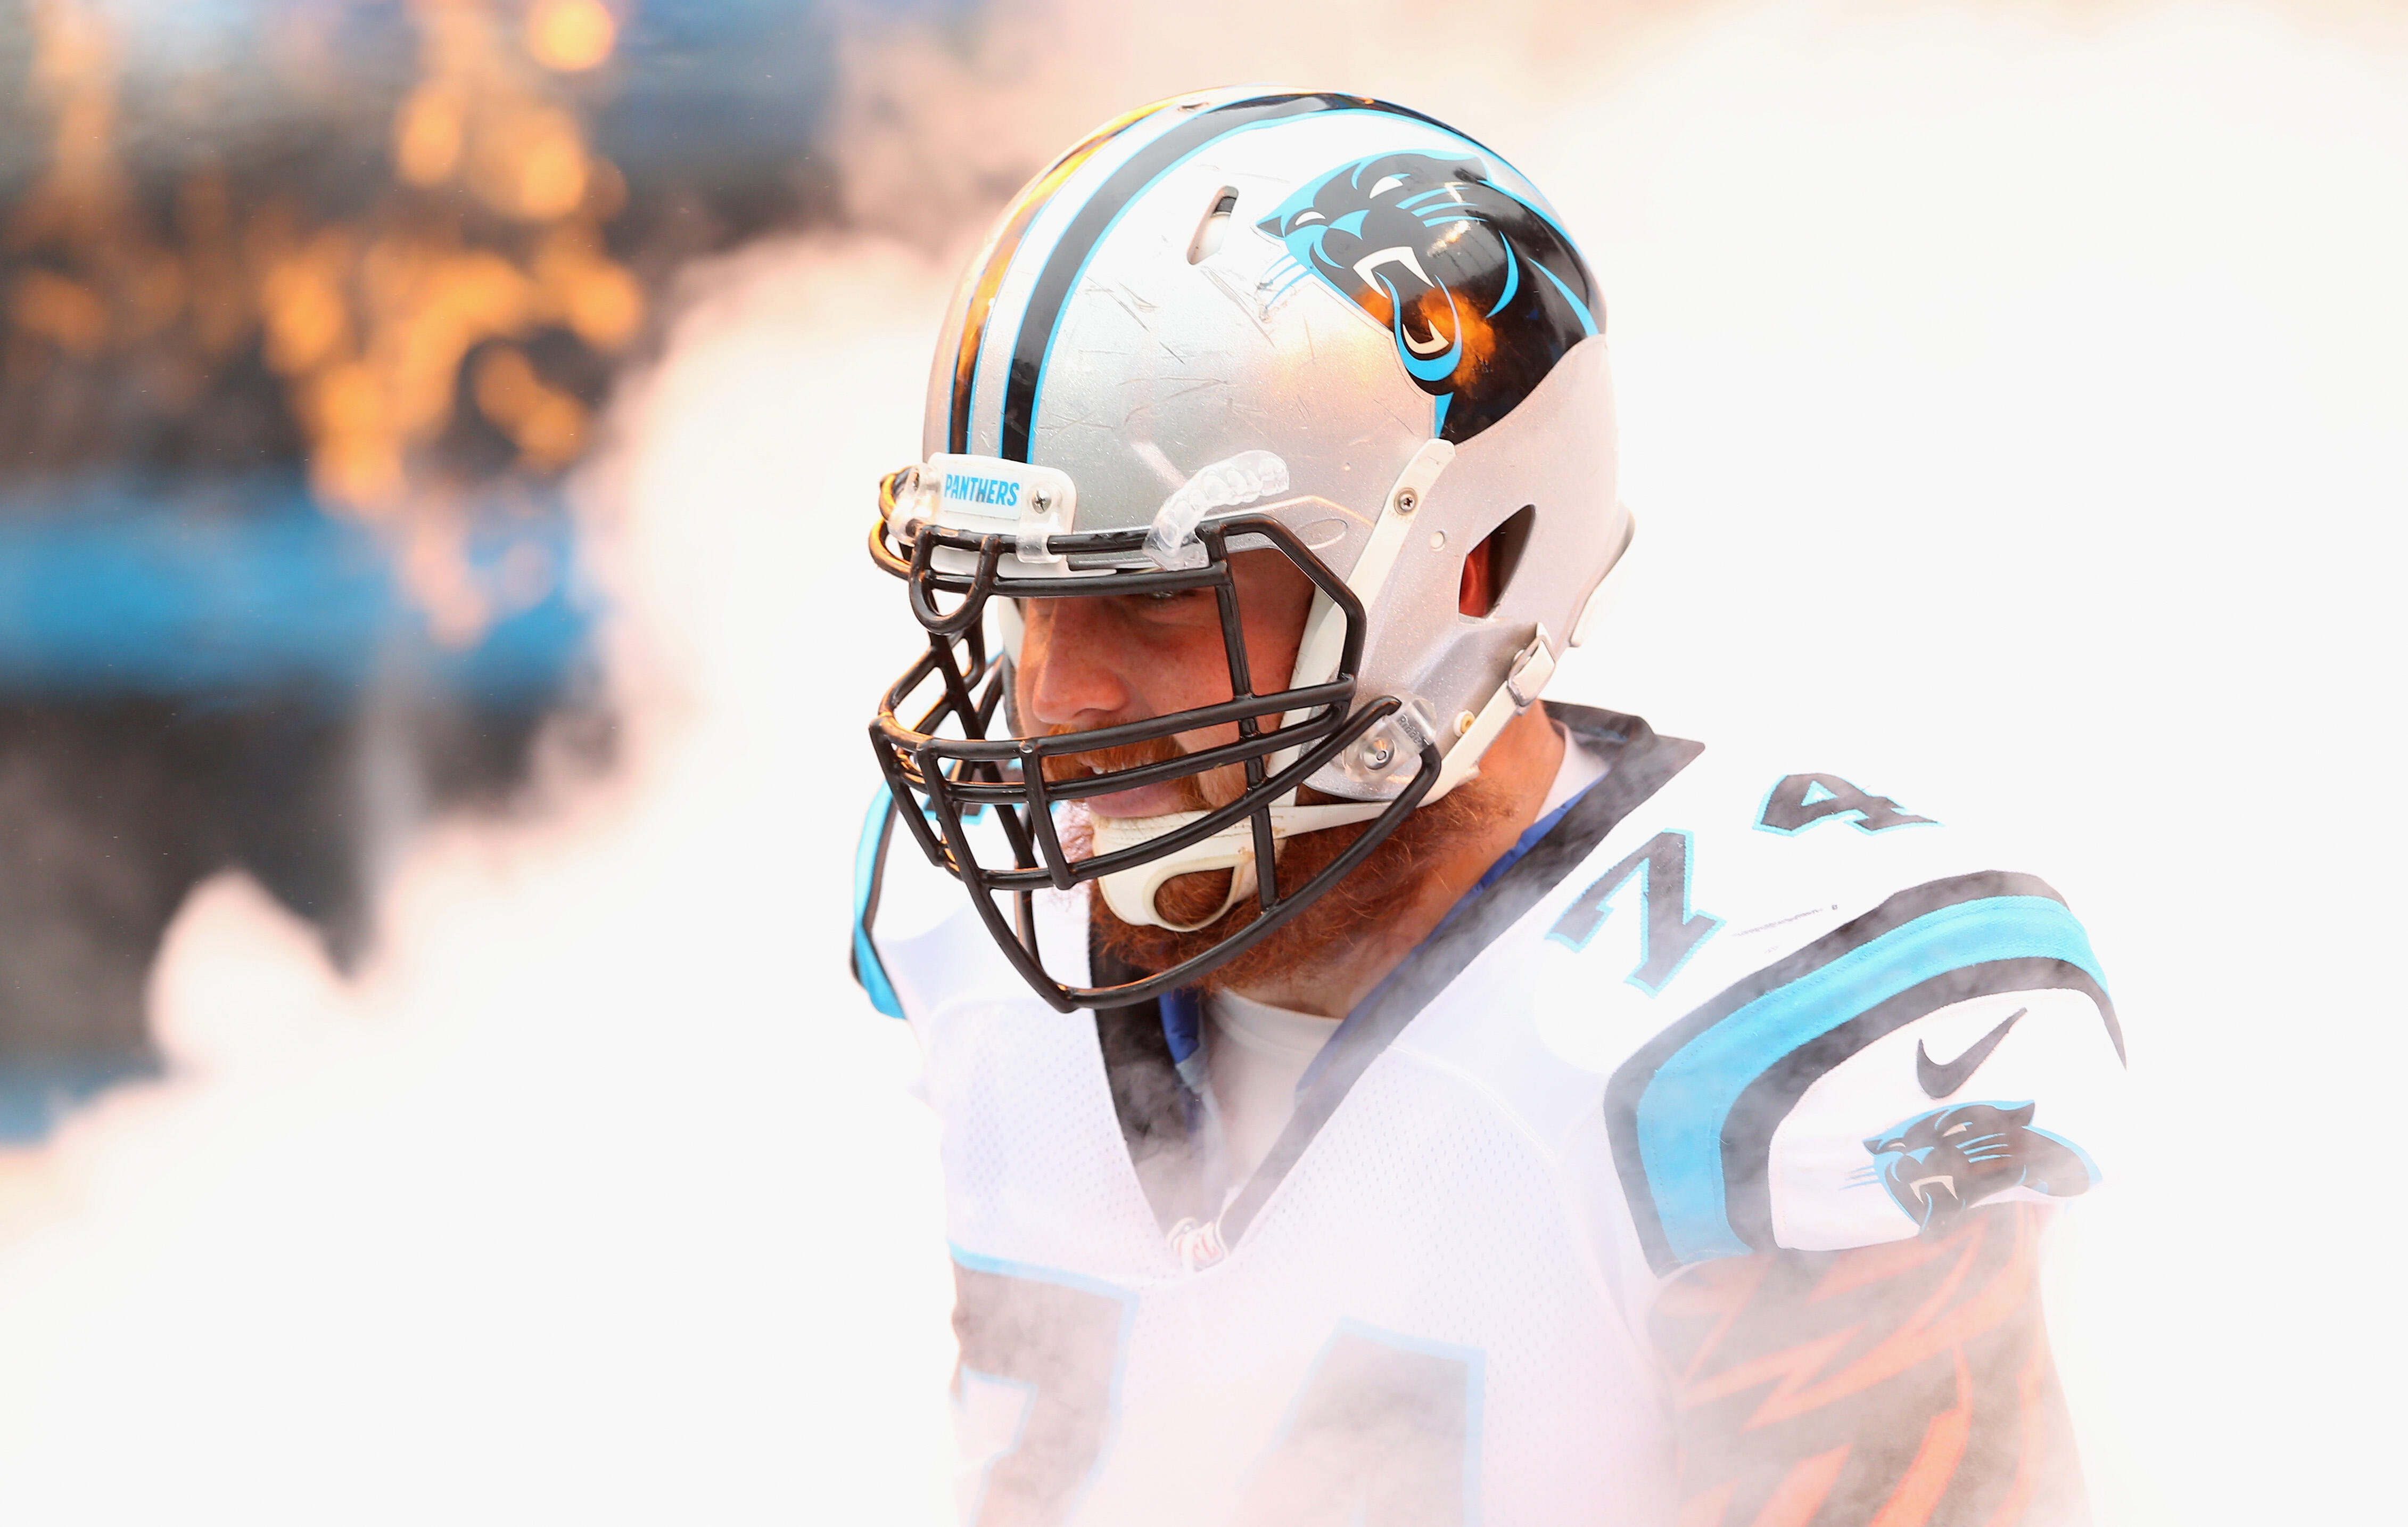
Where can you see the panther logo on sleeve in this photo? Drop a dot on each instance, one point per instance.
(1481, 293)
(1940, 1164)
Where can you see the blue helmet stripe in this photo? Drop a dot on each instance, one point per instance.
(1067, 260)
(1032, 199)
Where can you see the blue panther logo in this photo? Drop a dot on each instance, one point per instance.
(1940, 1164)
(1481, 291)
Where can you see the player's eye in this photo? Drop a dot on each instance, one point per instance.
(1171, 606)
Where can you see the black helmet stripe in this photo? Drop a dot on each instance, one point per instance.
(1069, 257)
(1024, 208)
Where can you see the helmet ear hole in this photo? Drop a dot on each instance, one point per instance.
(1503, 548)
(1214, 227)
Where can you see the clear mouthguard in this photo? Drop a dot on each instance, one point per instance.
(1242, 479)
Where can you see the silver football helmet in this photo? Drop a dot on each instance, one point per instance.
(1250, 318)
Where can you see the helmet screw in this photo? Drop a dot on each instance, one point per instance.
(1377, 753)
(1408, 500)
(1463, 723)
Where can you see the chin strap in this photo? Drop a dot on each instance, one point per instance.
(1525, 677)
(1131, 893)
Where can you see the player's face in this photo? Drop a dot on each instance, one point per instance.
(1094, 661)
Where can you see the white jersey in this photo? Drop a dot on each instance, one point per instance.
(1721, 1003)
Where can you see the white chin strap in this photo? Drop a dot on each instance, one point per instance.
(1131, 893)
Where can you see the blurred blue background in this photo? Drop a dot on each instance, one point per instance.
(309, 309)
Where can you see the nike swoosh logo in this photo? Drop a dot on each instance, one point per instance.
(1938, 1080)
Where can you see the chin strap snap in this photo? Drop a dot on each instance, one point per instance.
(1526, 678)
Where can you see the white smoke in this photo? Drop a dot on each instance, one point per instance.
(598, 1196)
(2011, 400)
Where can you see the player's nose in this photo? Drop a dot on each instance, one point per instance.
(1071, 665)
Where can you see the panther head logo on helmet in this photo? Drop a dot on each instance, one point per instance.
(1481, 291)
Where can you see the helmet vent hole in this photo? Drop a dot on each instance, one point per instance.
(1215, 225)
(1504, 547)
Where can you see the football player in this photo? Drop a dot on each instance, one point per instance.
(1372, 1093)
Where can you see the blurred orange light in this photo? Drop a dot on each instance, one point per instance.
(570, 35)
(551, 177)
(67, 312)
(426, 136)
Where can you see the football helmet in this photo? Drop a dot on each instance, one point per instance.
(1251, 318)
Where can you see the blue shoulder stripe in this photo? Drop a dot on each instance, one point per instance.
(1693, 1113)
(869, 870)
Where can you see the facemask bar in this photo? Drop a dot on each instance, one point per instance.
(939, 782)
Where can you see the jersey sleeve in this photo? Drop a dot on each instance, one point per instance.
(1952, 1047)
